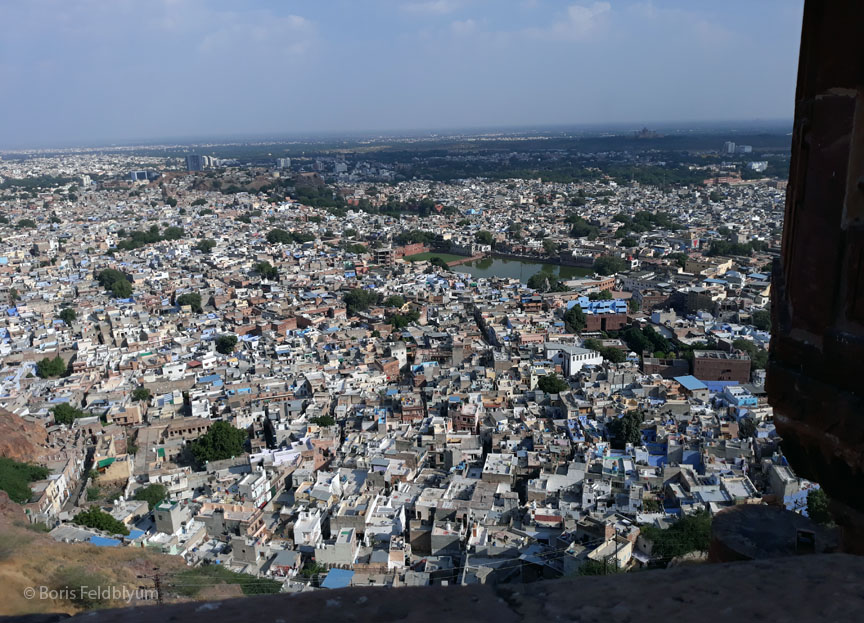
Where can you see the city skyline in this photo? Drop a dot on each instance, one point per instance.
(78, 72)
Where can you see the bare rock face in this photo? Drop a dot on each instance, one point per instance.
(10, 512)
(21, 440)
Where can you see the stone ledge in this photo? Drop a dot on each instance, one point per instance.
(800, 588)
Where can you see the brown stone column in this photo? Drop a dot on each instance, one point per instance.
(816, 368)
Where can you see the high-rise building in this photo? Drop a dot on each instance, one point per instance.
(728, 147)
(194, 162)
(283, 163)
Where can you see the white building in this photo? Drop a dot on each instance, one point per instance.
(307, 529)
(255, 488)
(571, 358)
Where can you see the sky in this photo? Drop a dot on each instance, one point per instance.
(91, 71)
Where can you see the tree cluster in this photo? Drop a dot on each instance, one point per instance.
(609, 265)
(67, 315)
(226, 343)
(758, 356)
(115, 282)
(266, 271)
(582, 228)
(691, 533)
(552, 384)
(280, 236)
(50, 367)
(221, 441)
(152, 494)
(192, 299)
(647, 339)
(543, 282)
(15, 478)
(402, 320)
(625, 429)
(137, 239)
(205, 245)
(64, 413)
(360, 300)
(100, 520)
(574, 319)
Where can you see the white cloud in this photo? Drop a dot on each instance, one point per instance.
(432, 7)
(463, 28)
(276, 37)
(581, 21)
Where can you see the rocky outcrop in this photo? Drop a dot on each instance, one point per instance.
(21, 440)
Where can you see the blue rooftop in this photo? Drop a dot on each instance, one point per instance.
(338, 578)
(691, 383)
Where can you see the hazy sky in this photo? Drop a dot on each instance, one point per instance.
(99, 70)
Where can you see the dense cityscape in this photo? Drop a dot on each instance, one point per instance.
(464, 359)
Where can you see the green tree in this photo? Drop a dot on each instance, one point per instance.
(221, 441)
(400, 321)
(817, 507)
(541, 282)
(680, 259)
(64, 413)
(609, 265)
(323, 420)
(762, 320)
(67, 315)
(152, 494)
(15, 478)
(593, 344)
(13, 295)
(116, 282)
(99, 520)
(628, 241)
(206, 245)
(614, 355)
(484, 237)
(171, 201)
(552, 384)
(691, 533)
(574, 319)
(141, 394)
(121, 289)
(550, 247)
(226, 343)
(625, 429)
(48, 368)
(439, 262)
(173, 233)
(278, 236)
(266, 270)
(199, 202)
(360, 300)
(758, 356)
(597, 567)
(26, 223)
(581, 228)
(193, 299)
(394, 301)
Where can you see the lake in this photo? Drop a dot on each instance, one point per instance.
(519, 269)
